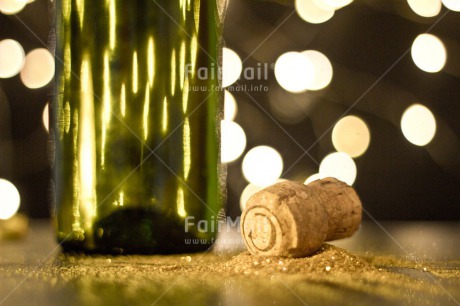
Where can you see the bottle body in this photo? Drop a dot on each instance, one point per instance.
(135, 129)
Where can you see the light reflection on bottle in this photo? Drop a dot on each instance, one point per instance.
(187, 149)
(182, 64)
(173, 72)
(107, 107)
(151, 60)
(164, 119)
(87, 146)
(112, 24)
(145, 117)
(135, 73)
(123, 100)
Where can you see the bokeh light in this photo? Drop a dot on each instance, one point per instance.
(262, 165)
(312, 178)
(38, 69)
(312, 12)
(418, 125)
(11, 7)
(231, 67)
(10, 199)
(45, 117)
(335, 4)
(339, 165)
(322, 69)
(291, 109)
(294, 72)
(251, 189)
(11, 58)
(248, 191)
(233, 141)
(425, 8)
(351, 135)
(230, 106)
(428, 53)
(453, 5)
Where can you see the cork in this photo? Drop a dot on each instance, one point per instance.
(293, 220)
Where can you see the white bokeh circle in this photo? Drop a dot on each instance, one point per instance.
(12, 58)
(38, 69)
(340, 166)
(10, 199)
(262, 165)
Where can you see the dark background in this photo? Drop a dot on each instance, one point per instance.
(396, 180)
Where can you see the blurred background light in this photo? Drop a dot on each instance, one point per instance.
(45, 117)
(231, 67)
(38, 69)
(233, 141)
(248, 191)
(322, 68)
(10, 7)
(230, 106)
(288, 108)
(26, 1)
(9, 199)
(453, 5)
(11, 58)
(428, 53)
(351, 135)
(312, 178)
(336, 4)
(425, 8)
(262, 165)
(294, 72)
(323, 4)
(251, 189)
(312, 12)
(418, 125)
(339, 165)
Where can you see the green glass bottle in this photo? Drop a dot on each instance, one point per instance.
(134, 133)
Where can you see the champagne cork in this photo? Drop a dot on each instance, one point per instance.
(293, 220)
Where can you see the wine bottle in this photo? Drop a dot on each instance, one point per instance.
(134, 137)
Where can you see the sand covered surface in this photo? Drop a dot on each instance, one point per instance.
(331, 276)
